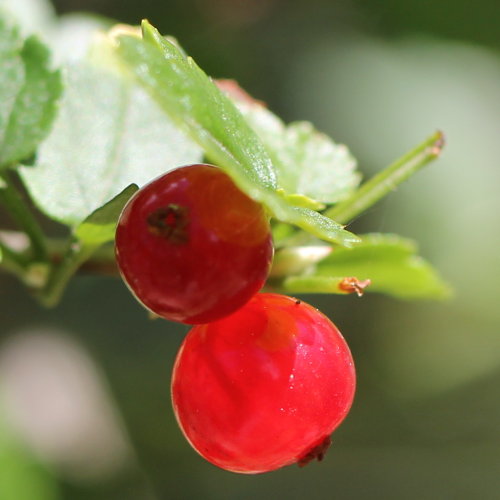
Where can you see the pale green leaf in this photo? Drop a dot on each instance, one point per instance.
(108, 135)
(74, 34)
(307, 161)
(29, 91)
(34, 17)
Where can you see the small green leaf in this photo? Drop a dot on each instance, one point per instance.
(108, 135)
(99, 227)
(29, 91)
(194, 102)
(307, 161)
(389, 261)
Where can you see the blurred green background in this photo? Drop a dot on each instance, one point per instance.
(84, 388)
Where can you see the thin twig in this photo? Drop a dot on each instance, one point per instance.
(387, 180)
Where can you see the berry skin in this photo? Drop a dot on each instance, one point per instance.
(264, 387)
(192, 247)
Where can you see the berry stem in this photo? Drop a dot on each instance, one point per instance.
(75, 255)
(20, 213)
(388, 179)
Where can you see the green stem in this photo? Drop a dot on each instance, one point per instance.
(13, 261)
(387, 180)
(102, 261)
(21, 214)
(73, 258)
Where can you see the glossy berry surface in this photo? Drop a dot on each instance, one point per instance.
(191, 246)
(264, 387)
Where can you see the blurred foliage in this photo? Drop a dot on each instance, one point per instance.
(22, 477)
(374, 75)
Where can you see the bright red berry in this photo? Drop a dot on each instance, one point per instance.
(264, 387)
(192, 247)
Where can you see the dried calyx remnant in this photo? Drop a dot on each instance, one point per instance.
(316, 452)
(169, 222)
(353, 285)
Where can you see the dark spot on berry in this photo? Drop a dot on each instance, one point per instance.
(298, 301)
(316, 452)
(169, 222)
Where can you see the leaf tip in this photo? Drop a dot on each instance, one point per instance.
(438, 144)
(146, 26)
(350, 239)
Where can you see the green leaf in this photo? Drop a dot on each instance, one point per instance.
(193, 101)
(33, 17)
(389, 261)
(29, 91)
(69, 36)
(108, 134)
(74, 34)
(320, 226)
(99, 227)
(307, 161)
(190, 97)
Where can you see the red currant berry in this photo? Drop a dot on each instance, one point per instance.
(264, 387)
(192, 247)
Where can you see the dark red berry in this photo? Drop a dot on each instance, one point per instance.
(264, 387)
(192, 247)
